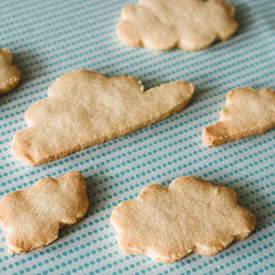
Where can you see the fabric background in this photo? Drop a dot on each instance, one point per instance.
(53, 37)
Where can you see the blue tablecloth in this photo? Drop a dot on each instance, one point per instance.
(53, 37)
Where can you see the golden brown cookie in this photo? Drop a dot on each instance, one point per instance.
(9, 74)
(33, 217)
(247, 113)
(189, 24)
(85, 108)
(191, 215)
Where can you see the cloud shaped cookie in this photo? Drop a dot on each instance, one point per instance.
(85, 108)
(33, 217)
(9, 74)
(192, 215)
(247, 113)
(189, 24)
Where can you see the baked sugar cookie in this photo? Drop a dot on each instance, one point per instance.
(247, 113)
(192, 215)
(189, 24)
(9, 74)
(85, 108)
(33, 217)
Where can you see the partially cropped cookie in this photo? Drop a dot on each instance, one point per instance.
(33, 217)
(85, 108)
(247, 113)
(193, 215)
(9, 74)
(189, 24)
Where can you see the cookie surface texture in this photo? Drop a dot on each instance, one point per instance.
(33, 217)
(85, 108)
(247, 113)
(9, 74)
(189, 24)
(193, 215)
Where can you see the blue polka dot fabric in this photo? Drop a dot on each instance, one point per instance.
(54, 37)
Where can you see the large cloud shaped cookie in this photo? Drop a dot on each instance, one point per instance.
(189, 24)
(33, 217)
(192, 215)
(9, 74)
(247, 113)
(85, 108)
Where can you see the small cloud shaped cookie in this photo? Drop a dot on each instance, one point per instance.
(33, 217)
(192, 215)
(189, 24)
(247, 113)
(9, 74)
(85, 108)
